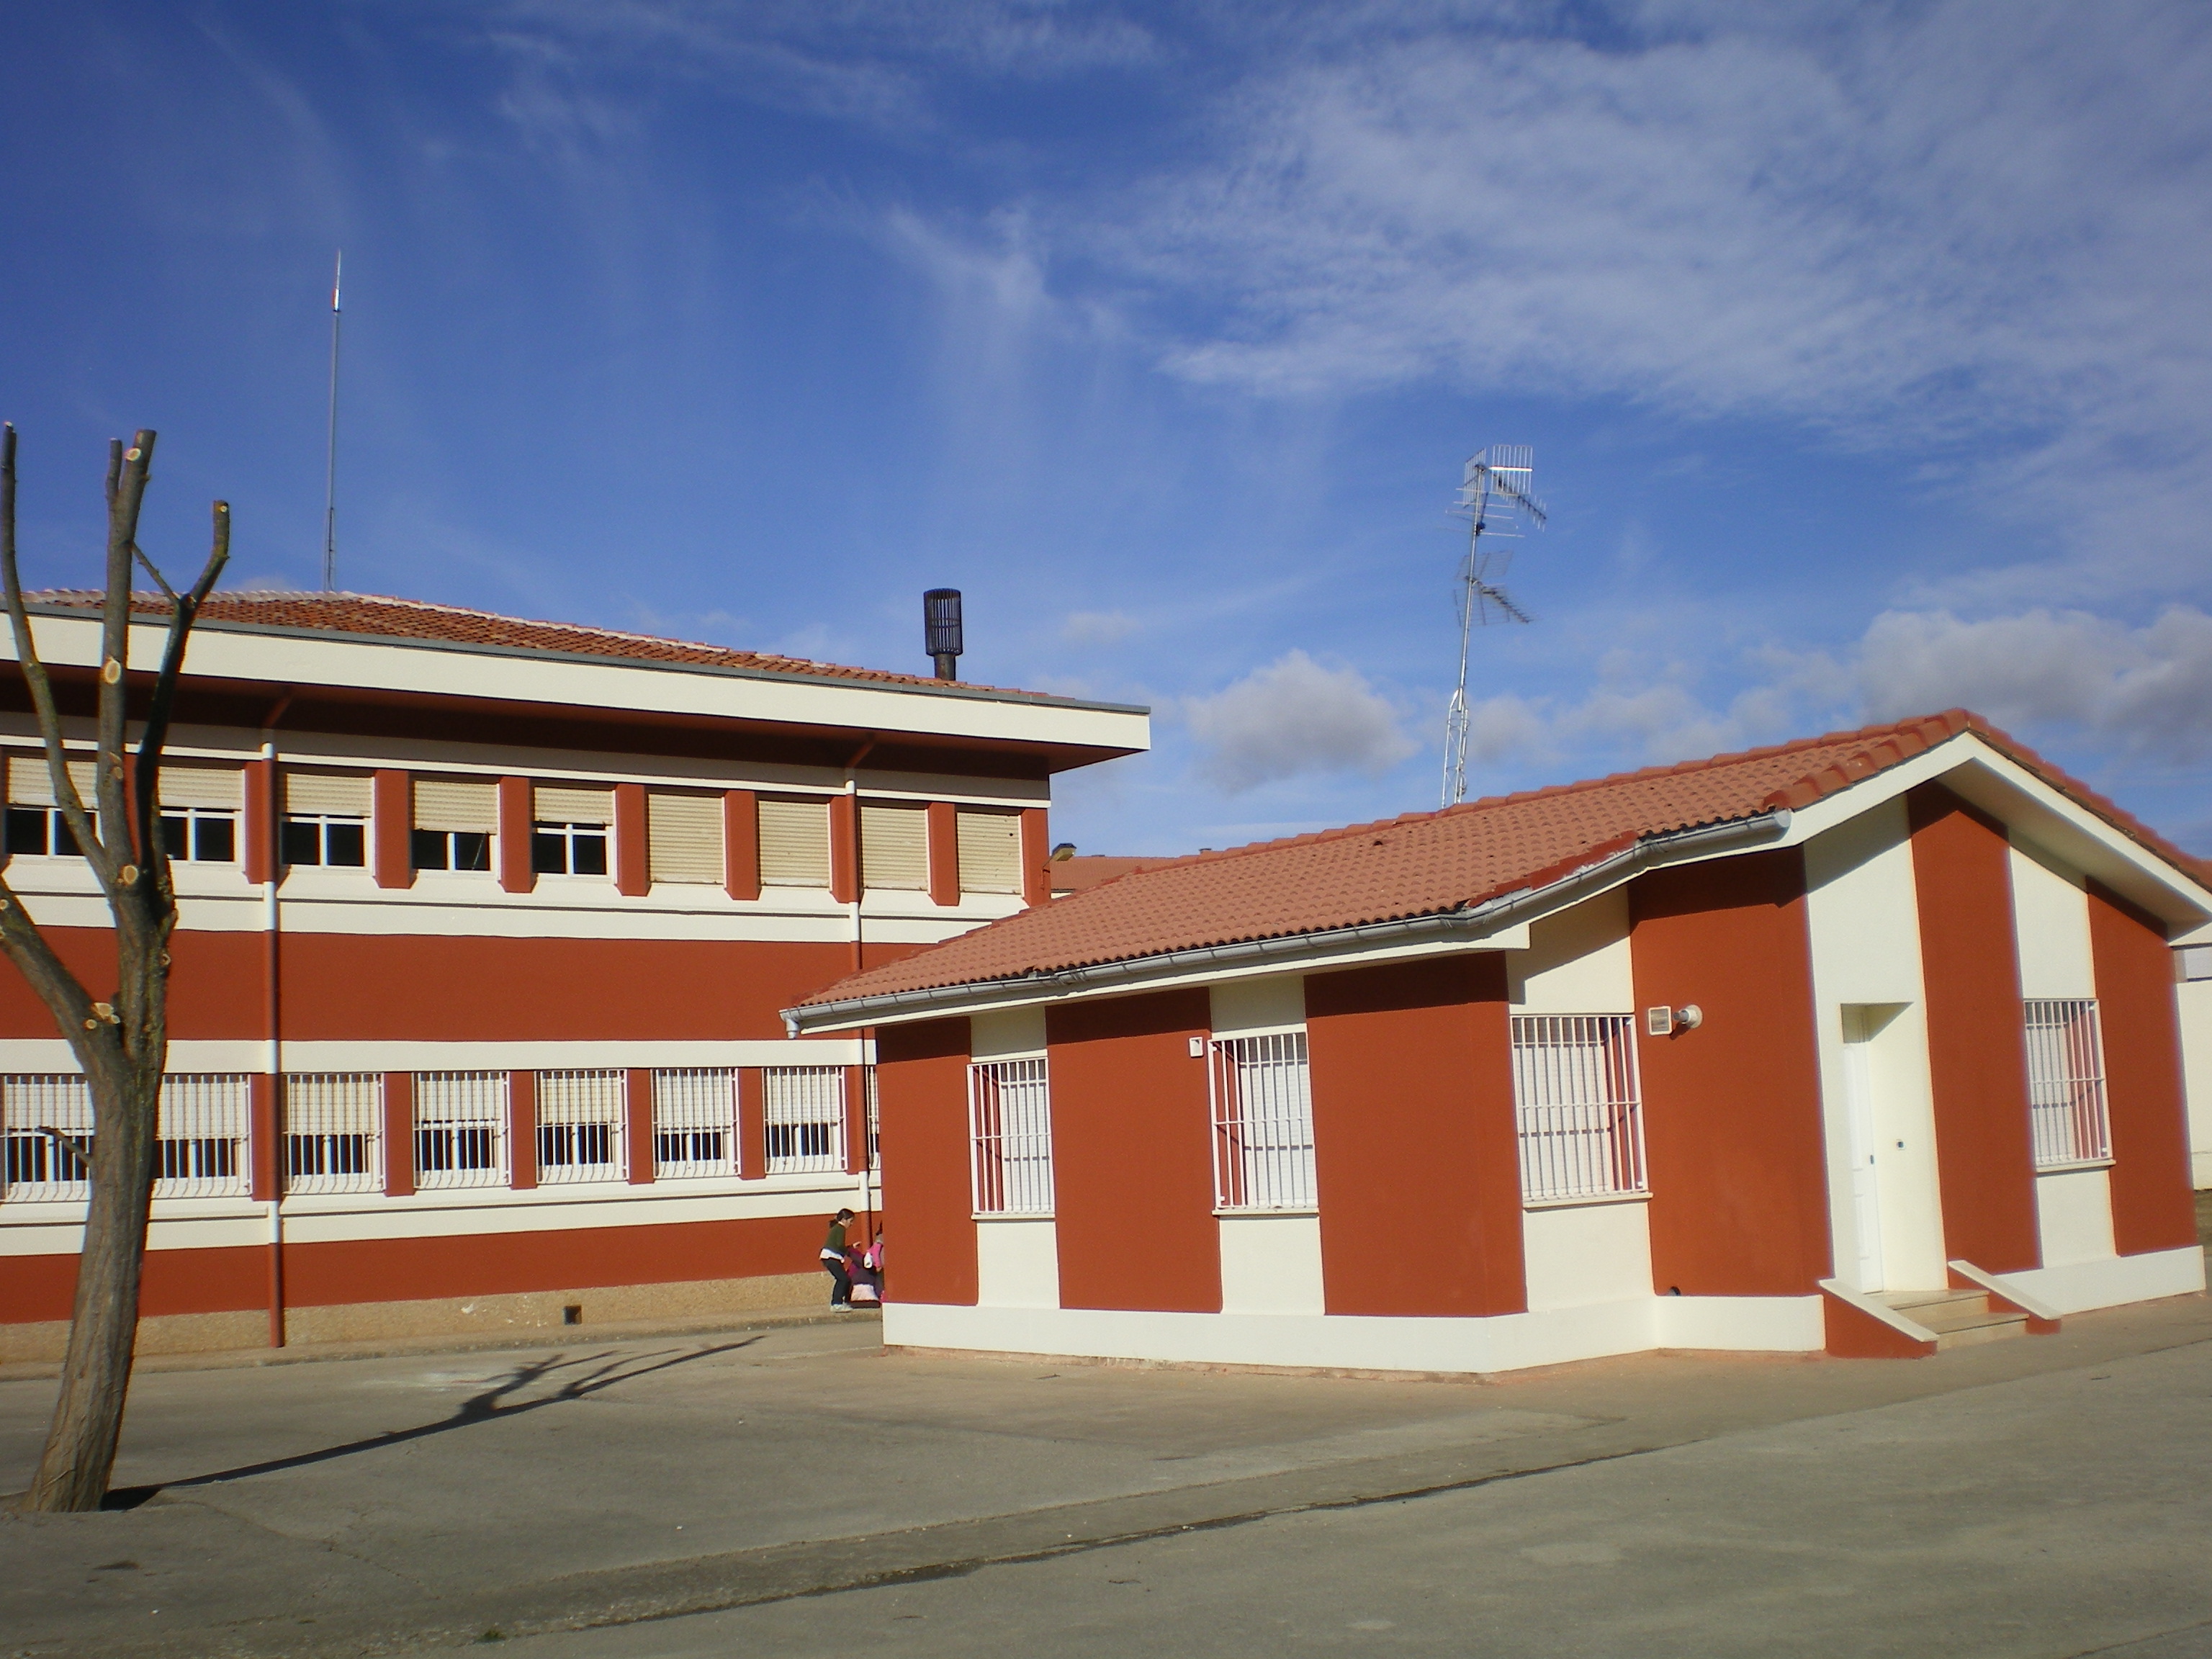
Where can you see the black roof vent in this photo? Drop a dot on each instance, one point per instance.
(940, 627)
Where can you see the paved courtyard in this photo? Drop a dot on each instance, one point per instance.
(799, 1491)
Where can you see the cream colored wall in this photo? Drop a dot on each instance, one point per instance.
(2195, 997)
(1270, 1264)
(2074, 1216)
(1581, 1255)
(1577, 962)
(1241, 1006)
(2051, 921)
(1016, 1261)
(1863, 915)
(1007, 1034)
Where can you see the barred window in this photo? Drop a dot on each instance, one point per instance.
(461, 1128)
(200, 1137)
(1580, 1117)
(804, 1108)
(334, 1132)
(694, 1116)
(45, 1127)
(1010, 1136)
(2066, 1082)
(580, 1126)
(1263, 1139)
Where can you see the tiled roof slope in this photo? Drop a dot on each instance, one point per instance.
(376, 616)
(1427, 863)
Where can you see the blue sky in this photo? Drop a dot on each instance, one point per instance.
(1863, 350)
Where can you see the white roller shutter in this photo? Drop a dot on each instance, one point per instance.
(30, 785)
(990, 852)
(894, 847)
(795, 843)
(340, 794)
(684, 837)
(450, 804)
(562, 804)
(201, 786)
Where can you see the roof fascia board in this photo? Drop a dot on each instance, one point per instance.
(453, 668)
(1984, 774)
(1500, 923)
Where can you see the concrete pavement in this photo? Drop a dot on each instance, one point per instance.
(414, 1501)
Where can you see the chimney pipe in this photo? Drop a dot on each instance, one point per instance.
(941, 632)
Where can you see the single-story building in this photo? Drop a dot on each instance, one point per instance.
(1864, 1043)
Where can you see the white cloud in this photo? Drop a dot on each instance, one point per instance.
(1294, 716)
(1098, 626)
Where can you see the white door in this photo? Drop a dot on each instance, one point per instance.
(1866, 1193)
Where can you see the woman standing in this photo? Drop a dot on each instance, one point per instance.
(833, 1258)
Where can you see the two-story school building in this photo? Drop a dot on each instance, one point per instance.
(485, 926)
(1866, 1044)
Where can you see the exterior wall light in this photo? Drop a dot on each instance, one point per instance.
(1666, 1021)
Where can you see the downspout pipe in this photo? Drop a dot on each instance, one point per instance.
(1471, 923)
(272, 1008)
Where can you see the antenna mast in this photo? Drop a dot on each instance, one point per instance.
(1494, 495)
(330, 466)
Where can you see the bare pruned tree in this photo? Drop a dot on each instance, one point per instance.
(121, 1040)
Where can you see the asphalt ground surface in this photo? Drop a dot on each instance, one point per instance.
(798, 1490)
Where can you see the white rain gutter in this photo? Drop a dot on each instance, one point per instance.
(1470, 926)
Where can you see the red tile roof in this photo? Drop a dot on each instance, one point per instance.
(375, 617)
(1429, 863)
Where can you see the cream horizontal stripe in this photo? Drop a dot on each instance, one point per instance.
(39, 1055)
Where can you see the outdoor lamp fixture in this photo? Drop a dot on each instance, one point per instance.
(1666, 1021)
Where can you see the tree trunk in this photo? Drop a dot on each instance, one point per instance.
(80, 1451)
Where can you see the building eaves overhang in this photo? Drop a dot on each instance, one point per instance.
(1090, 731)
(1492, 922)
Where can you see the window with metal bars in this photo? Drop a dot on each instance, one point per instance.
(875, 1118)
(2066, 1082)
(1263, 1139)
(460, 1130)
(803, 1108)
(695, 1118)
(580, 1126)
(334, 1132)
(1581, 1117)
(46, 1127)
(1010, 1136)
(200, 1137)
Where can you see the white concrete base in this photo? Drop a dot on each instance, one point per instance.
(2074, 1216)
(1348, 1342)
(1017, 1261)
(1270, 1264)
(1577, 1255)
(2077, 1286)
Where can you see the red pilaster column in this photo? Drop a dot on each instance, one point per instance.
(399, 1132)
(944, 853)
(262, 1093)
(856, 1118)
(741, 843)
(257, 837)
(1036, 851)
(633, 868)
(844, 848)
(752, 1127)
(637, 1101)
(515, 817)
(392, 821)
(2152, 1208)
(522, 1130)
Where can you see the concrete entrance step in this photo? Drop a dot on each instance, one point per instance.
(1959, 1318)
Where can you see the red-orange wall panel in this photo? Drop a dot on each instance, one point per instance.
(216, 985)
(929, 1211)
(2152, 1208)
(1976, 1045)
(1732, 1110)
(35, 1288)
(1133, 1171)
(1414, 1148)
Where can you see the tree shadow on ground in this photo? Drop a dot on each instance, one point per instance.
(602, 1371)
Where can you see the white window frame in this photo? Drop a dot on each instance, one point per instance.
(334, 1132)
(2068, 1117)
(794, 1101)
(36, 1168)
(56, 827)
(1010, 1136)
(1578, 1109)
(322, 824)
(568, 837)
(1260, 1092)
(589, 1111)
(691, 1103)
(471, 1108)
(192, 817)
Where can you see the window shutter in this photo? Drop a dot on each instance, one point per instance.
(339, 793)
(559, 803)
(894, 847)
(990, 852)
(795, 843)
(450, 804)
(30, 785)
(201, 786)
(684, 837)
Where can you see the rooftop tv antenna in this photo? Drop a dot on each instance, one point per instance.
(1496, 498)
(331, 463)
